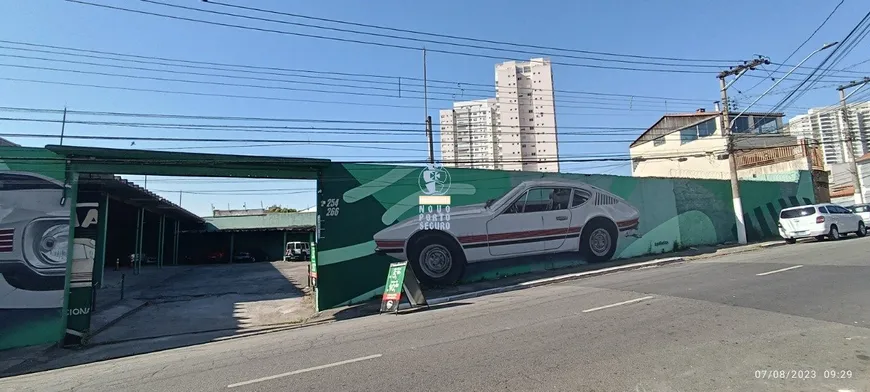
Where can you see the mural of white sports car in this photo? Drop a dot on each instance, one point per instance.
(534, 218)
(34, 231)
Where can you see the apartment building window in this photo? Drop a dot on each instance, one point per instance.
(531, 111)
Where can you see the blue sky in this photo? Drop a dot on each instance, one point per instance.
(683, 29)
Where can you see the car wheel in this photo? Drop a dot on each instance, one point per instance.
(862, 230)
(437, 260)
(834, 234)
(598, 240)
(790, 240)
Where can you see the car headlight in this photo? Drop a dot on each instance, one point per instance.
(52, 247)
(46, 242)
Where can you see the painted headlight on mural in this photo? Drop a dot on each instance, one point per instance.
(45, 244)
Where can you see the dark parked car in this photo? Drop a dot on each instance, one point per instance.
(244, 257)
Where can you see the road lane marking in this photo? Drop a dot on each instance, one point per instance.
(631, 301)
(311, 369)
(779, 270)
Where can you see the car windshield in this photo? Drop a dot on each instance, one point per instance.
(797, 212)
(863, 208)
(500, 201)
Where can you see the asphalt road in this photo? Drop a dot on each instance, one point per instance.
(792, 318)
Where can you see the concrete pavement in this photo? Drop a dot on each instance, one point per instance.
(791, 318)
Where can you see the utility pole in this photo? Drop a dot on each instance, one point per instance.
(727, 132)
(63, 125)
(429, 135)
(428, 118)
(846, 133)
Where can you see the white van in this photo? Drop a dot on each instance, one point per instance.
(820, 221)
(297, 251)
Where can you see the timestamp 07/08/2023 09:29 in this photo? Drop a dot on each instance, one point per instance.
(802, 374)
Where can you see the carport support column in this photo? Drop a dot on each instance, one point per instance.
(102, 230)
(232, 246)
(175, 246)
(138, 247)
(284, 247)
(140, 241)
(161, 242)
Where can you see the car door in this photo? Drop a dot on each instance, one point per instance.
(833, 216)
(852, 217)
(556, 218)
(513, 231)
(844, 219)
(580, 209)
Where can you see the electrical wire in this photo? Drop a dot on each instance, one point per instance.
(813, 34)
(349, 40)
(387, 28)
(265, 70)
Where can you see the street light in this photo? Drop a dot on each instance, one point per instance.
(826, 46)
(728, 126)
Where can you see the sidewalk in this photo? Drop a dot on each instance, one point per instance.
(127, 341)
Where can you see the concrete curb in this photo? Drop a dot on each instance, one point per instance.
(547, 281)
(117, 319)
(259, 330)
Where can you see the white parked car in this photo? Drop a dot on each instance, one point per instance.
(34, 231)
(820, 221)
(534, 218)
(862, 210)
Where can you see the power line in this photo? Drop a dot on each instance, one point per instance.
(397, 90)
(459, 37)
(393, 80)
(419, 40)
(349, 40)
(393, 29)
(844, 43)
(813, 34)
(296, 129)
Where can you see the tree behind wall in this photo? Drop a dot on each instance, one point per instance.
(279, 209)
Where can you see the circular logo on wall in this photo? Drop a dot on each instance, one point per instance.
(434, 180)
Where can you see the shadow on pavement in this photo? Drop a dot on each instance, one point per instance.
(446, 305)
(194, 306)
(487, 269)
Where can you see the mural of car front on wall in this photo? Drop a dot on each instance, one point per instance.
(34, 231)
(534, 218)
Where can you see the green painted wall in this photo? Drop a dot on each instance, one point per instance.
(34, 313)
(357, 201)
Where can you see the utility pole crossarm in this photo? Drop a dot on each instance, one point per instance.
(854, 84)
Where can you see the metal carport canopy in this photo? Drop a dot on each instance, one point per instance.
(146, 162)
(134, 195)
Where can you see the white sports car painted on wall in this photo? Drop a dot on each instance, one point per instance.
(533, 218)
(34, 231)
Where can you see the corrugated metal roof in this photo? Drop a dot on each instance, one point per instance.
(274, 221)
(7, 143)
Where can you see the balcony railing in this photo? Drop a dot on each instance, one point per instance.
(774, 155)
